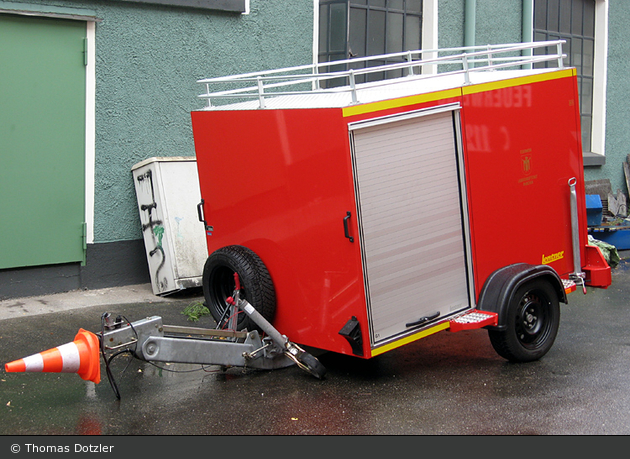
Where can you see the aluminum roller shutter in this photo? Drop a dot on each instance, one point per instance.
(410, 217)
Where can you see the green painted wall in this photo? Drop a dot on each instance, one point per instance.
(496, 22)
(618, 88)
(450, 23)
(148, 59)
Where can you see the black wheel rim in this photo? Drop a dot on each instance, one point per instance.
(222, 287)
(533, 321)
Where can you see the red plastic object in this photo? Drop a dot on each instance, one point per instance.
(598, 273)
(473, 320)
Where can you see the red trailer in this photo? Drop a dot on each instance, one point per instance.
(357, 214)
(364, 216)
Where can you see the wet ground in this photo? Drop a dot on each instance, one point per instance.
(446, 384)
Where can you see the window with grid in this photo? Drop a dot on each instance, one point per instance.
(573, 21)
(359, 28)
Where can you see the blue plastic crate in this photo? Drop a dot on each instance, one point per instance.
(594, 210)
(620, 238)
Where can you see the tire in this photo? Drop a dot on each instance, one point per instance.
(533, 319)
(313, 365)
(256, 285)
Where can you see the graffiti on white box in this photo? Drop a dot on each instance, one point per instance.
(155, 228)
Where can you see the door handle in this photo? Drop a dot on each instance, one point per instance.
(200, 212)
(202, 218)
(346, 228)
(424, 319)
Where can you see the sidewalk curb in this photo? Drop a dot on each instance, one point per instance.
(76, 299)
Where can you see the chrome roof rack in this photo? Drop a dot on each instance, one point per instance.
(354, 74)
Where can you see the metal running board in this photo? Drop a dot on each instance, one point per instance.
(473, 319)
(478, 319)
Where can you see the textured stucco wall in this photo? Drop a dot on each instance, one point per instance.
(450, 23)
(496, 22)
(148, 59)
(499, 22)
(618, 88)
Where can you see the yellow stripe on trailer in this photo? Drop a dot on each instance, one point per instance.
(410, 338)
(400, 102)
(371, 107)
(518, 81)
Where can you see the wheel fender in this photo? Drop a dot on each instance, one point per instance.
(499, 288)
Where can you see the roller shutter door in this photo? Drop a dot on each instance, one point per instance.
(412, 222)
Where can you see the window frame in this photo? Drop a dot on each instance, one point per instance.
(233, 6)
(596, 155)
(324, 53)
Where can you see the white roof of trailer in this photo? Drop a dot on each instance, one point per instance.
(304, 86)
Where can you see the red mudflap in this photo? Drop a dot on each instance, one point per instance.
(597, 270)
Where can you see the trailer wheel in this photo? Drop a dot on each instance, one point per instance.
(256, 285)
(312, 365)
(533, 319)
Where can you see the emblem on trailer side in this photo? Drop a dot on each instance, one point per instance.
(526, 160)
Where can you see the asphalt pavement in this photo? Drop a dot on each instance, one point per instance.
(445, 384)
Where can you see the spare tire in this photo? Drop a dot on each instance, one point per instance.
(256, 285)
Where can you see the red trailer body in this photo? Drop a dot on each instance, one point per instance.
(386, 218)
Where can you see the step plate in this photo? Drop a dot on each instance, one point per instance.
(569, 285)
(473, 319)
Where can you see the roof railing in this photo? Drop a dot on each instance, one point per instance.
(310, 79)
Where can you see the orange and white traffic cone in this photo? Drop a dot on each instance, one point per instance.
(80, 356)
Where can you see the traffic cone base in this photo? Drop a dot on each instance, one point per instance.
(80, 356)
(90, 366)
